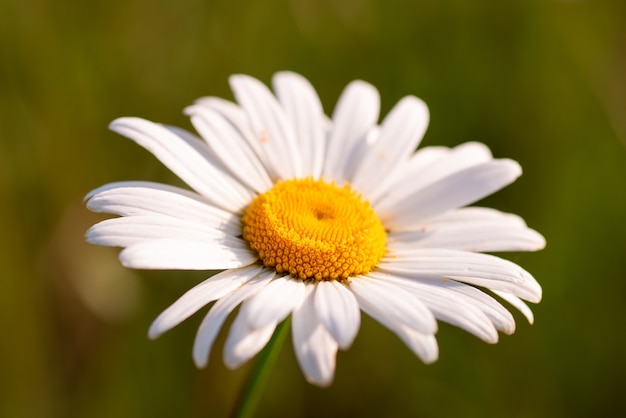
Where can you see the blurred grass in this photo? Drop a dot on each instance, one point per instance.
(539, 81)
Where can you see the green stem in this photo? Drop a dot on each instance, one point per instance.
(251, 391)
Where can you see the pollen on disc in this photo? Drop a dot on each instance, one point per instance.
(314, 230)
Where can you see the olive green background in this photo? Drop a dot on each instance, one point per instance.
(539, 81)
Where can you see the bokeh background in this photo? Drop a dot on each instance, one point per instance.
(539, 81)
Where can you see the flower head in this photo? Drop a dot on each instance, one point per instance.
(320, 219)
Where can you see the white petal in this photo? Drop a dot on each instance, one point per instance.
(474, 268)
(423, 345)
(473, 214)
(475, 238)
(459, 158)
(415, 168)
(450, 307)
(244, 342)
(218, 172)
(270, 126)
(171, 254)
(200, 295)
(518, 304)
(274, 302)
(493, 231)
(304, 109)
(213, 321)
(188, 158)
(338, 310)
(133, 198)
(315, 348)
(400, 133)
(131, 230)
(236, 117)
(230, 146)
(393, 303)
(459, 189)
(433, 166)
(355, 114)
(497, 314)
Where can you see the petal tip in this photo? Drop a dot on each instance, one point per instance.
(431, 359)
(118, 123)
(515, 167)
(509, 328)
(190, 110)
(154, 332)
(322, 382)
(230, 361)
(237, 79)
(540, 241)
(200, 364)
(200, 359)
(287, 75)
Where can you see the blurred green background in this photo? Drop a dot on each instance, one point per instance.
(539, 81)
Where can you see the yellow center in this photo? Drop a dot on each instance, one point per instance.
(312, 229)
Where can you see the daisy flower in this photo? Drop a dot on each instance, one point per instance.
(320, 218)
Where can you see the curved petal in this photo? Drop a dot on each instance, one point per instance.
(173, 254)
(477, 230)
(459, 158)
(355, 114)
(448, 306)
(131, 230)
(272, 304)
(212, 322)
(475, 214)
(270, 126)
(414, 168)
(478, 269)
(244, 342)
(315, 348)
(189, 159)
(422, 345)
(518, 304)
(393, 303)
(237, 118)
(136, 198)
(497, 314)
(475, 238)
(400, 133)
(230, 147)
(459, 189)
(430, 165)
(200, 295)
(338, 310)
(304, 109)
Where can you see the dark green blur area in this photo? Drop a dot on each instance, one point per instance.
(539, 81)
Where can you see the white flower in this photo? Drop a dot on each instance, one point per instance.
(320, 219)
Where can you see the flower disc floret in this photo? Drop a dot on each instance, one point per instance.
(312, 229)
